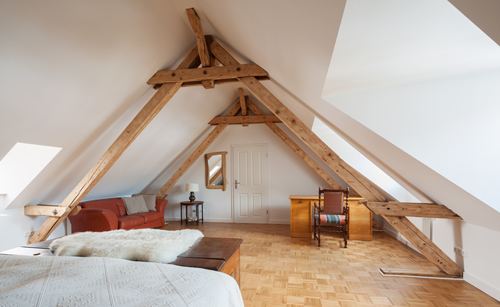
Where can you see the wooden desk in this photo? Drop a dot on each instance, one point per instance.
(360, 218)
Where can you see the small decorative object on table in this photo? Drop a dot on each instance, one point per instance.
(192, 187)
(196, 219)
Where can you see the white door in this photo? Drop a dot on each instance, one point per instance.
(250, 184)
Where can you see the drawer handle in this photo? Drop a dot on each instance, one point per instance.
(301, 201)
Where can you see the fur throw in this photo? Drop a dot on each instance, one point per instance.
(152, 245)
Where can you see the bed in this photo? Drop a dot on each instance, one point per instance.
(94, 281)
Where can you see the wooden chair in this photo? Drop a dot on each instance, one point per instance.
(333, 215)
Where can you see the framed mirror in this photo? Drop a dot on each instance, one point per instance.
(215, 170)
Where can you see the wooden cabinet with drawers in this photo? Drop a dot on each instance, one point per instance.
(301, 211)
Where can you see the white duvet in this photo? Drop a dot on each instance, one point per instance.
(92, 281)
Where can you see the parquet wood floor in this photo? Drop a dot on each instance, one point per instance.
(277, 270)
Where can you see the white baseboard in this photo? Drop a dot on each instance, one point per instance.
(396, 235)
(482, 285)
(177, 219)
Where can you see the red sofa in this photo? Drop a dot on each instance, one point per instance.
(110, 214)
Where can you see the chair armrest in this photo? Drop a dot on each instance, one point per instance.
(161, 204)
(94, 220)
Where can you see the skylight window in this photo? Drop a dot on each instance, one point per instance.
(20, 166)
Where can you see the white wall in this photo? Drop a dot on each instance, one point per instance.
(450, 125)
(288, 175)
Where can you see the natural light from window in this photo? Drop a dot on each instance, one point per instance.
(360, 163)
(20, 166)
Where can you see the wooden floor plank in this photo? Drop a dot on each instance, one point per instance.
(277, 270)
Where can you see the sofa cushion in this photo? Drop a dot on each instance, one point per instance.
(150, 200)
(135, 204)
(109, 204)
(130, 221)
(151, 216)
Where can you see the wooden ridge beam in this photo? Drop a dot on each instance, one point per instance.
(251, 119)
(296, 148)
(203, 50)
(411, 209)
(162, 193)
(207, 73)
(136, 126)
(430, 250)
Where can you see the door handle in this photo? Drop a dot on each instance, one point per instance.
(236, 183)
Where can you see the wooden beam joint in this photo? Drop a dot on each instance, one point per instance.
(251, 119)
(208, 73)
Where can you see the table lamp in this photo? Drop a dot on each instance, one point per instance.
(192, 187)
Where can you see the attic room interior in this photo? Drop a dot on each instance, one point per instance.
(394, 100)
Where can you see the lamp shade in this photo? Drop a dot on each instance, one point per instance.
(192, 187)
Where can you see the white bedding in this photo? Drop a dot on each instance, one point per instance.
(92, 281)
(151, 245)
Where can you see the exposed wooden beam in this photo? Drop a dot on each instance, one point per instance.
(243, 105)
(216, 82)
(296, 148)
(430, 250)
(207, 73)
(203, 50)
(353, 178)
(411, 209)
(238, 120)
(162, 193)
(45, 210)
(208, 84)
(222, 55)
(143, 118)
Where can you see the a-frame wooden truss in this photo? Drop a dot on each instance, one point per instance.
(210, 54)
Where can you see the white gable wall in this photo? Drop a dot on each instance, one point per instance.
(287, 175)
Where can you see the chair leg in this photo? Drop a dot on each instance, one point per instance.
(345, 238)
(319, 234)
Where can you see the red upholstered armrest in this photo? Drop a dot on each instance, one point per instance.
(94, 220)
(161, 204)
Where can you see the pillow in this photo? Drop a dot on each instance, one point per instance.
(135, 204)
(150, 200)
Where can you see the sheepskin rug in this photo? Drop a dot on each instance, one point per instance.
(152, 245)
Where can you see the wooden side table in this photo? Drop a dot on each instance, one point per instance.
(196, 203)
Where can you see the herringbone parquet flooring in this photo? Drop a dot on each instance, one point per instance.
(277, 270)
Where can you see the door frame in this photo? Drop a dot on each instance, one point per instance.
(266, 174)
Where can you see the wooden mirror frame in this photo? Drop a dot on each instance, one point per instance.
(223, 170)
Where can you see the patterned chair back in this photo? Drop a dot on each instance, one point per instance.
(333, 202)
